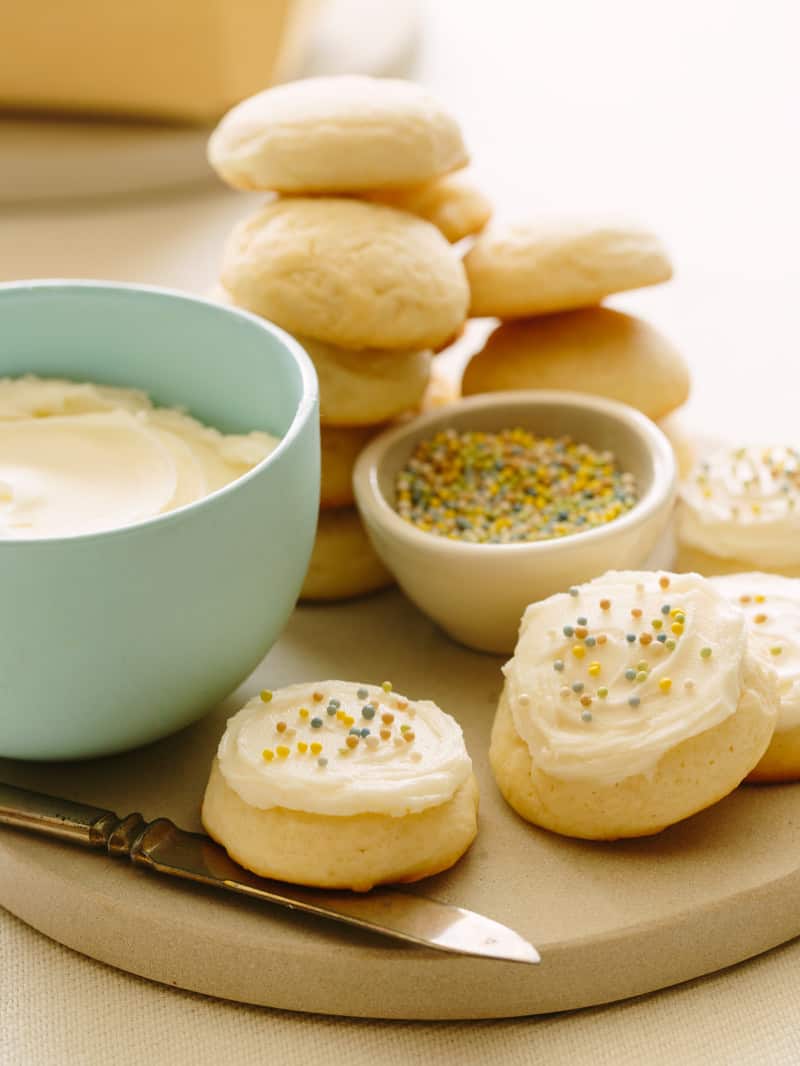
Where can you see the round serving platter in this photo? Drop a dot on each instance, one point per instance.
(610, 920)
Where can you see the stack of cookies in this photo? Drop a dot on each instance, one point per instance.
(545, 281)
(351, 254)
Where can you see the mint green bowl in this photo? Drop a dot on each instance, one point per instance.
(114, 639)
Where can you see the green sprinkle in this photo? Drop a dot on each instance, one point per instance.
(705, 653)
(266, 695)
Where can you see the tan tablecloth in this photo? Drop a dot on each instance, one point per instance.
(683, 115)
(60, 1009)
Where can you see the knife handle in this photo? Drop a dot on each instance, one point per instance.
(78, 823)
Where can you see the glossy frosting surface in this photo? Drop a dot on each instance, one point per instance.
(744, 503)
(82, 458)
(609, 676)
(341, 748)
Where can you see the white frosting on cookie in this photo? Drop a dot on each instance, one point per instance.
(340, 748)
(744, 503)
(771, 605)
(605, 679)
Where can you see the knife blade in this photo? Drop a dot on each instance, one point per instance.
(163, 847)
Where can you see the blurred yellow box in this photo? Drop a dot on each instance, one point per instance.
(186, 60)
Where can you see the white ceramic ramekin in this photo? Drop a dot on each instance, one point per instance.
(477, 592)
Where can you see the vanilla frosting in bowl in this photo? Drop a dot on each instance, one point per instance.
(340, 748)
(744, 503)
(82, 458)
(771, 605)
(609, 676)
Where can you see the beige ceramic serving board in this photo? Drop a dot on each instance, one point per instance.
(610, 920)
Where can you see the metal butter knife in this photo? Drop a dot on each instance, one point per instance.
(163, 847)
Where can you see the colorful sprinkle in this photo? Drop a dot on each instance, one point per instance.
(302, 747)
(372, 743)
(316, 747)
(745, 599)
(586, 701)
(281, 727)
(670, 644)
(362, 693)
(634, 701)
(662, 638)
(322, 762)
(317, 697)
(579, 651)
(630, 675)
(665, 608)
(602, 692)
(586, 716)
(641, 676)
(677, 628)
(594, 669)
(385, 734)
(776, 650)
(605, 605)
(303, 712)
(657, 623)
(590, 642)
(409, 736)
(664, 582)
(705, 653)
(386, 686)
(387, 718)
(282, 751)
(665, 684)
(601, 639)
(568, 631)
(760, 599)
(267, 755)
(582, 621)
(646, 638)
(759, 619)
(577, 686)
(630, 637)
(574, 590)
(364, 732)
(266, 695)
(351, 742)
(316, 723)
(636, 612)
(368, 710)
(581, 632)
(558, 665)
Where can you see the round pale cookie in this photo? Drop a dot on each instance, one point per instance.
(364, 388)
(336, 135)
(340, 449)
(353, 274)
(594, 350)
(739, 509)
(342, 785)
(343, 562)
(455, 206)
(546, 265)
(771, 605)
(631, 702)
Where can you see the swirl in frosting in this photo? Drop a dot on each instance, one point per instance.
(340, 748)
(82, 458)
(771, 605)
(609, 676)
(744, 503)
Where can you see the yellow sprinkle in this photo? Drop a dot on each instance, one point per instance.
(675, 612)
(594, 669)
(776, 650)
(316, 748)
(282, 751)
(665, 684)
(303, 712)
(302, 747)
(759, 599)
(578, 651)
(267, 755)
(656, 623)
(386, 686)
(677, 628)
(341, 715)
(266, 695)
(348, 720)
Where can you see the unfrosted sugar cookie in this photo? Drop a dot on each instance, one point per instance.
(631, 702)
(739, 509)
(342, 785)
(343, 562)
(535, 267)
(595, 350)
(771, 605)
(453, 204)
(335, 135)
(354, 274)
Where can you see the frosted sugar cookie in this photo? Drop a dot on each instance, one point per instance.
(340, 449)
(342, 785)
(343, 562)
(594, 350)
(740, 509)
(353, 274)
(631, 702)
(771, 605)
(551, 264)
(336, 134)
(454, 205)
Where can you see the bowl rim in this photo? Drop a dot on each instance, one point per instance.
(373, 505)
(306, 407)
